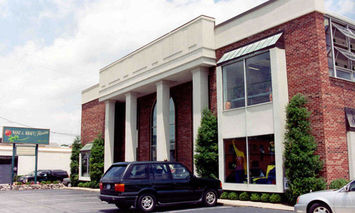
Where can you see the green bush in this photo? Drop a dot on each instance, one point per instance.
(275, 198)
(338, 183)
(97, 160)
(18, 183)
(255, 197)
(224, 195)
(244, 196)
(74, 164)
(265, 197)
(206, 157)
(233, 196)
(55, 182)
(302, 166)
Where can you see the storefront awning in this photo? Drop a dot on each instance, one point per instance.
(350, 117)
(345, 31)
(87, 147)
(349, 55)
(253, 47)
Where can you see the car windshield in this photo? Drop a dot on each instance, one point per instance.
(114, 173)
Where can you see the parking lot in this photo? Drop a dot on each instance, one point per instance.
(70, 201)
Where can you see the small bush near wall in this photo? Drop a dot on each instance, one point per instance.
(97, 160)
(224, 195)
(74, 164)
(206, 158)
(302, 166)
(275, 198)
(233, 196)
(255, 197)
(265, 197)
(338, 183)
(244, 196)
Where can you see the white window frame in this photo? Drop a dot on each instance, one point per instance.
(82, 178)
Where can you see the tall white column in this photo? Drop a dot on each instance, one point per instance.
(109, 133)
(199, 99)
(163, 145)
(131, 127)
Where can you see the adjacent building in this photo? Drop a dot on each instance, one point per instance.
(148, 104)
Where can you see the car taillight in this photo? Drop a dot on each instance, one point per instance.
(119, 187)
(298, 199)
(220, 184)
(101, 186)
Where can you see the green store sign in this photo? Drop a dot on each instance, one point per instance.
(25, 135)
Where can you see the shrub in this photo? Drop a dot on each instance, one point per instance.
(224, 195)
(233, 196)
(244, 196)
(302, 166)
(18, 183)
(338, 183)
(206, 157)
(97, 160)
(265, 197)
(275, 198)
(74, 164)
(255, 197)
(55, 182)
(81, 184)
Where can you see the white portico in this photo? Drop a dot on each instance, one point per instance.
(182, 55)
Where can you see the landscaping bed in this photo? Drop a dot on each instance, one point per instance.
(31, 186)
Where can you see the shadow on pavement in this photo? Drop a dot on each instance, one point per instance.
(158, 209)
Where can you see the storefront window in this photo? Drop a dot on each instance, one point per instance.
(255, 80)
(258, 75)
(85, 157)
(260, 155)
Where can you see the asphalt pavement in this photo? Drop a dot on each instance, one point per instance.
(79, 201)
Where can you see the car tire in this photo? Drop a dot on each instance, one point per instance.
(146, 202)
(209, 198)
(319, 207)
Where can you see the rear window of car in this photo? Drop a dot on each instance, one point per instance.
(114, 173)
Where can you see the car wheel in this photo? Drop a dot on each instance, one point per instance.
(146, 202)
(210, 197)
(319, 208)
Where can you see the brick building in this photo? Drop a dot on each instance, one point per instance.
(148, 104)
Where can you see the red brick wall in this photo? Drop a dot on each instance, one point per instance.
(182, 96)
(307, 73)
(92, 120)
(212, 90)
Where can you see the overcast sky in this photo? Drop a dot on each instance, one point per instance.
(50, 50)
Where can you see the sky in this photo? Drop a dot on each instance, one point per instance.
(51, 50)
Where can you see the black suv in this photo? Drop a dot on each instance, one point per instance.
(146, 185)
(45, 175)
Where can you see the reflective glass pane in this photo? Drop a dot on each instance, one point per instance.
(258, 76)
(262, 159)
(233, 85)
(235, 160)
(343, 74)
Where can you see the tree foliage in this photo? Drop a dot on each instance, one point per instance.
(74, 164)
(206, 157)
(302, 166)
(97, 159)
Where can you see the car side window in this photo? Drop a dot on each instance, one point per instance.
(139, 171)
(161, 172)
(352, 186)
(178, 171)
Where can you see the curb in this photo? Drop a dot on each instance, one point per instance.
(276, 206)
(82, 188)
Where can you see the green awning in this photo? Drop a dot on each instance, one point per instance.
(250, 48)
(87, 147)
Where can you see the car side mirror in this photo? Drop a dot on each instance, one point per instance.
(347, 188)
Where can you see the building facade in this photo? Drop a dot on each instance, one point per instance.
(148, 104)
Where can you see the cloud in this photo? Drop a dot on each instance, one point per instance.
(343, 7)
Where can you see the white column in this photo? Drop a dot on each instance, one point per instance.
(109, 133)
(199, 99)
(131, 127)
(163, 145)
(351, 153)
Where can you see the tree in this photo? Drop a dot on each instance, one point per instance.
(97, 160)
(302, 166)
(206, 157)
(74, 164)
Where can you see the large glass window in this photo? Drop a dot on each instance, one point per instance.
(250, 160)
(252, 75)
(85, 156)
(153, 145)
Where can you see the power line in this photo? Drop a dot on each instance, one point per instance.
(22, 124)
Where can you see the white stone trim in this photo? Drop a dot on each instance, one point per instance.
(163, 103)
(351, 153)
(131, 127)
